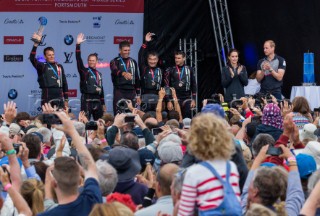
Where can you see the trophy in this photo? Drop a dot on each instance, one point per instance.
(43, 21)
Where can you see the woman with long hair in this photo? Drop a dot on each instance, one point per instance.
(32, 191)
(234, 77)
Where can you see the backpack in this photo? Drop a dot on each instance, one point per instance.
(230, 204)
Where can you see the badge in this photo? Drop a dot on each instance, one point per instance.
(180, 84)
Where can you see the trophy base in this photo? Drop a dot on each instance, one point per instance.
(309, 84)
(35, 40)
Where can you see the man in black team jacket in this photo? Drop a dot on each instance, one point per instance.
(92, 98)
(182, 78)
(125, 77)
(151, 74)
(51, 76)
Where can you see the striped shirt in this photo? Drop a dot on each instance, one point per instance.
(202, 189)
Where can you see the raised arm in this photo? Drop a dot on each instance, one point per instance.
(87, 162)
(80, 65)
(18, 201)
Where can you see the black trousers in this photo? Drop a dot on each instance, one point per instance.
(92, 106)
(54, 96)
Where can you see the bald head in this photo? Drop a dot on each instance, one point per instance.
(151, 122)
(165, 177)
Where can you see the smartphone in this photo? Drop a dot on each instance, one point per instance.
(129, 118)
(16, 147)
(156, 131)
(51, 119)
(167, 90)
(91, 125)
(274, 151)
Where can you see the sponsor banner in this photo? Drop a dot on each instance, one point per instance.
(13, 40)
(13, 58)
(118, 39)
(120, 6)
(73, 93)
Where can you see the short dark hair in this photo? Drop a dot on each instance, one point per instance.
(153, 53)
(93, 55)
(33, 143)
(67, 174)
(172, 114)
(22, 116)
(41, 169)
(233, 50)
(180, 52)
(47, 49)
(124, 44)
(130, 139)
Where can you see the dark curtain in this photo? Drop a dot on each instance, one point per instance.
(174, 19)
(292, 24)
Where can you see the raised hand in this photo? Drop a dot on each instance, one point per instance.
(10, 111)
(80, 38)
(148, 37)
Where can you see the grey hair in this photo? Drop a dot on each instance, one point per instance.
(171, 137)
(46, 133)
(260, 141)
(80, 128)
(108, 177)
(313, 180)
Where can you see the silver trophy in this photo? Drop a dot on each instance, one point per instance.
(43, 22)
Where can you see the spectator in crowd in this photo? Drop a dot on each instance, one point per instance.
(210, 142)
(163, 192)
(64, 178)
(112, 209)
(301, 112)
(127, 163)
(32, 191)
(253, 86)
(108, 177)
(263, 186)
(271, 121)
(234, 77)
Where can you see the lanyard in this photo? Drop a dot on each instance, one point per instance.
(153, 73)
(180, 74)
(95, 77)
(54, 71)
(124, 65)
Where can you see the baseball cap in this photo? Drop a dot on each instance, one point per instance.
(186, 123)
(170, 152)
(215, 109)
(306, 165)
(308, 132)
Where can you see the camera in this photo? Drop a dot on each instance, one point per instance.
(236, 104)
(16, 147)
(123, 106)
(129, 118)
(51, 119)
(156, 131)
(274, 151)
(167, 90)
(91, 125)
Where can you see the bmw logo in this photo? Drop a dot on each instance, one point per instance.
(68, 40)
(12, 94)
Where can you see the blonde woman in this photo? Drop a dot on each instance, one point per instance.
(211, 184)
(111, 209)
(32, 191)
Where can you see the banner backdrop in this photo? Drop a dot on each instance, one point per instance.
(105, 23)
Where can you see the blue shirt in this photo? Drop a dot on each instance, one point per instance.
(83, 204)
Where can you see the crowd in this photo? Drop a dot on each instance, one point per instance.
(249, 159)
